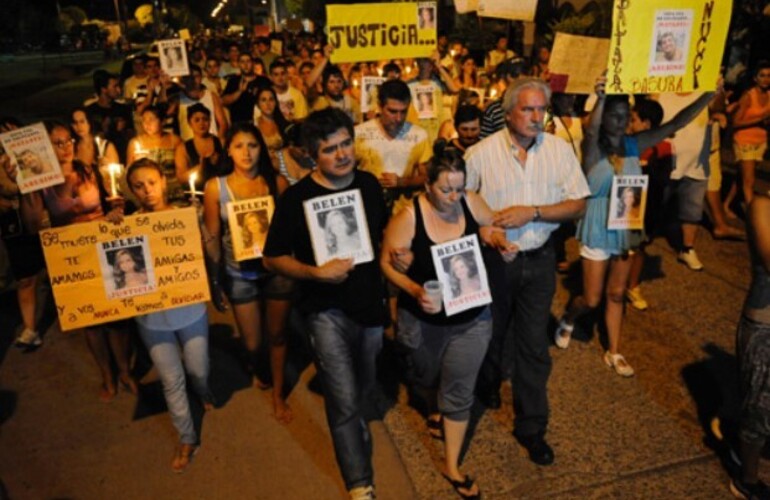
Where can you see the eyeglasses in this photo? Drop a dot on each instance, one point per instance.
(63, 143)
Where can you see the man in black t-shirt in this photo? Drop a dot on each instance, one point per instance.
(343, 303)
(240, 94)
(114, 118)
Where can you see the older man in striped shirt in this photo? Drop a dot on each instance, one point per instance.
(535, 182)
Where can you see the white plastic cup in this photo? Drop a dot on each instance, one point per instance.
(433, 289)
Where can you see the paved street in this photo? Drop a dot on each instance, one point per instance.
(644, 437)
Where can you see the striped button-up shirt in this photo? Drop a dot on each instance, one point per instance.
(550, 175)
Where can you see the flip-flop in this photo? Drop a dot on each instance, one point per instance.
(465, 484)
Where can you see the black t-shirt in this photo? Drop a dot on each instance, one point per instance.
(116, 122)
(361, 296)
(242, 110)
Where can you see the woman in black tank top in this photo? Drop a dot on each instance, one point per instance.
(453, 346)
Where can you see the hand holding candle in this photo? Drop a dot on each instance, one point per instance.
(193, 178)
(114, 170)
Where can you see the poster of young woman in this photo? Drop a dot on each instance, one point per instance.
(102, 272)
(249, 221)
(460, 269)
(369, 85)
(338, 228)
(424, 98)
(173, 57)
(628, 201)
(32, 152)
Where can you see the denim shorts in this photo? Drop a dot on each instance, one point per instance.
(690, 195)
(269, 286)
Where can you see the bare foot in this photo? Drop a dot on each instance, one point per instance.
(282, 410)
(183, 455)
(129, 384)
(107, 393)
(729, 213)
(728, 233)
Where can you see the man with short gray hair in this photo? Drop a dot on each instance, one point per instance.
(534, 182)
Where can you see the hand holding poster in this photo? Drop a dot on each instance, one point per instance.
(576, 62)
(461, 271)
(249, 221)
(662, 46)
(173, 57)
(32, 152)
(338, 228)
(103, 272)
(628, 202)
(376, 31)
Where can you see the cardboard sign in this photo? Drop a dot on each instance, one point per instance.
(520, 10)
(249, 221)
(173, 57)
(32, 152)
(102, 272)
(628, 201)
(378, 31)
(659, 47)
(338, 228)
(576, 62)
(465, 6)
(463, 276)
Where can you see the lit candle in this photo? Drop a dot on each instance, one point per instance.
(452, 53)
(355, 83)
(493, 93)
(193, 178)
(114, 169)
(379, 71)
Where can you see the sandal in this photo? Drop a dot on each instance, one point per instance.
(619, 363)
(466, 484)
(435, 427)
(183, 457)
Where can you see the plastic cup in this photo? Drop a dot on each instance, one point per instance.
(433, 289)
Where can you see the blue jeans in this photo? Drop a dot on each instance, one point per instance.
(163, 346)
(345, 353)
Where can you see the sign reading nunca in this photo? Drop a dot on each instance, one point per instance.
(103, 272)
(663, 46)
(376, 31)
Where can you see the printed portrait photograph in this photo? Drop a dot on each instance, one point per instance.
(426, 17)
(174, 57)
(254, 227)
(425, 102)
(669, 47)
(32, 163)
(462, 274)
(128, 266)
(340, 229)
(629, 203)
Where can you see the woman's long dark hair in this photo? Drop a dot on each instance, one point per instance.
(611, 100)
(278, 117)
(264, 165)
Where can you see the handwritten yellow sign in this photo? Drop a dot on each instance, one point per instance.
(377, 31)
(103, 272)
(576, 62)
(520, 10)
(662, 46)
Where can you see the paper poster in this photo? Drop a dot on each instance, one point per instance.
(338, 228)
(519, 10)
(460, 269)
(184, 34)
(276, 46)
(424, 99)
(426, 16)
(102, 272)
(576, 62)
(32, 152)
(249, 221)
(380, 31)
(658, 46)
(465, 6)
(369, 85)
(173, 57)
(628, 201)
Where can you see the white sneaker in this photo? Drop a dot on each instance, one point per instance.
(691, 260)
(619, 363)
(362, 493)
(28, 338)
(636, 299)
(563, 334)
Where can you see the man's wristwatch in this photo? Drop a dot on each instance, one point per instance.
(537, 215)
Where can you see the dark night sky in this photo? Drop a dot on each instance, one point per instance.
(105, 9)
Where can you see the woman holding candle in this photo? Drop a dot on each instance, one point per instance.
(250, 175)
(90, 146)
(82, 198)
(445, 351)
(160, 146)
(165, 332)
(198, 157)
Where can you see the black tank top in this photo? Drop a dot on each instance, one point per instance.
(422, 270)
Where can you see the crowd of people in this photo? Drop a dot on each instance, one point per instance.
(486, 150)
